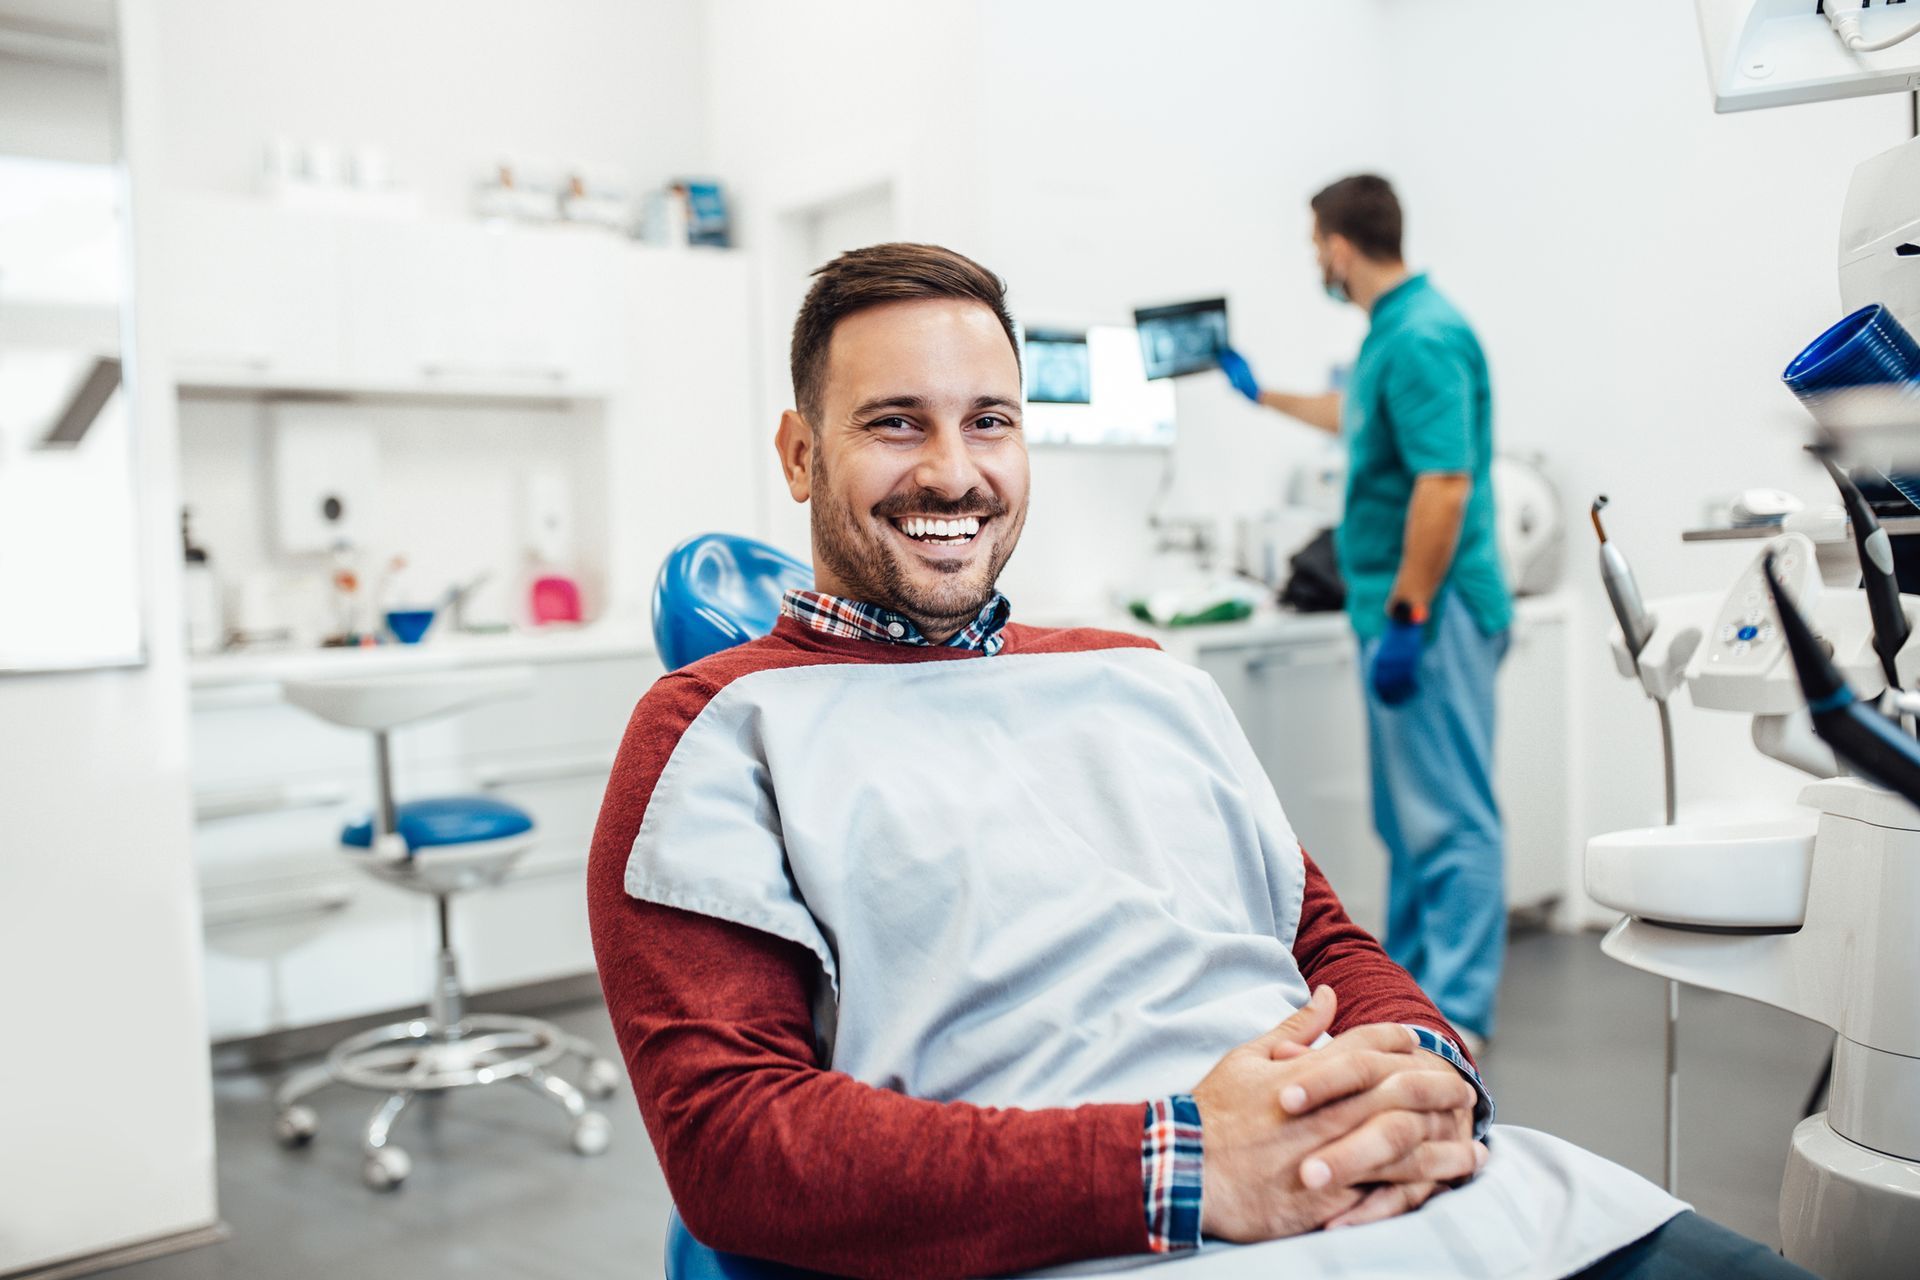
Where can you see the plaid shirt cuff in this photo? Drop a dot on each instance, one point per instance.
(1170, 1168)
(1433, 1042)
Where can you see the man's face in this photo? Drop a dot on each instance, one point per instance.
(1333, 254)
(919, 422)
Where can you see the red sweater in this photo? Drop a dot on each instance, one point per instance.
(770, 1154)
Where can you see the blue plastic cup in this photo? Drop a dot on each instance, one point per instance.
(1868, 348)
(408, 625)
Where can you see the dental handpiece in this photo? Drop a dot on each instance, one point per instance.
(1858, 734)
(1636, 624)
(1890, 630)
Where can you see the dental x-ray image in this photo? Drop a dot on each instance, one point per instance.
(1059, 367)
(1182, 338)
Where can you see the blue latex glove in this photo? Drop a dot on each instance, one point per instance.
(1239, 373)
(1396, 663)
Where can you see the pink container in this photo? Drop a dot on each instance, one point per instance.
(555, 599)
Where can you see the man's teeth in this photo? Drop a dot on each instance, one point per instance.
(919, 527)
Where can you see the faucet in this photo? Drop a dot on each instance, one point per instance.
(460, 593)
(1191, 534)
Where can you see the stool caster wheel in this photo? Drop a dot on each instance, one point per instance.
(601, 1078)
(386, 1168)
(591, 1133)
(295, 1126)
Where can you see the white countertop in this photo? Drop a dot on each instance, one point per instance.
(632, 638)
(1269, 625)
(629, 638)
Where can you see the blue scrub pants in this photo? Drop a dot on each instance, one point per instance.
(1433, 805)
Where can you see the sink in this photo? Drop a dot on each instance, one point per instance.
(1725, 875)
(387, 701)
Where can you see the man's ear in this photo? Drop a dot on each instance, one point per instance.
(794, 443)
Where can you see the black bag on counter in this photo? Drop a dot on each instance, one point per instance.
(1314, 585)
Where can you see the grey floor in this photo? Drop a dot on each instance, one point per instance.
(496, 1188)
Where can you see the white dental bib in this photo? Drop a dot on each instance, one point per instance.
(1046, 879)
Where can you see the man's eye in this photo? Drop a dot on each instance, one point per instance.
(993, 422)
(893, 424)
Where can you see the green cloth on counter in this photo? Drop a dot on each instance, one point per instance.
(1223, 611)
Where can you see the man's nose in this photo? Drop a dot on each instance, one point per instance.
(946, 465)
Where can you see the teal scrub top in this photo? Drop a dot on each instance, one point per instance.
(1419, 401)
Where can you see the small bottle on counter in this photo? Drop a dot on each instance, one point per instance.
(206, 627)
(343, 579)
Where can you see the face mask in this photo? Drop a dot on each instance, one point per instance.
(1335, 289)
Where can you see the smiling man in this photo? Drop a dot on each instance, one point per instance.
(941, 945)
(918, 518)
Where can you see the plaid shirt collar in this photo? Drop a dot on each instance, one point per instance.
(853, 619)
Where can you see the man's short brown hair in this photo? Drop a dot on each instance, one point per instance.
(882, 273)
(1364, 209)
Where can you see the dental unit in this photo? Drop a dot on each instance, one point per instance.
(1813, 910)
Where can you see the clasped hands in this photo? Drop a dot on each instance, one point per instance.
(1365, 1128)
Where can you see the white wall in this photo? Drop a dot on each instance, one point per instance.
(451, 494)
(820, 118)
(1640, 270)
(109, 1125)
(1098, 160)
(1138, 160)
(446, 87)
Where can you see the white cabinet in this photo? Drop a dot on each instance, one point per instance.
(1533, 763)
(1298, 698)
(457, 306)
(251, 294)
(296, 936)
(261, 296)
(1299, 703)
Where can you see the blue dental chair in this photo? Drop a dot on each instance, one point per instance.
(719, 590)
(716, 591)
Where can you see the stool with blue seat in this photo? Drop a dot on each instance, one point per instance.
(713, 592)
(438, 846)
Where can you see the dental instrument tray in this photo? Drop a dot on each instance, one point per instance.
(1185, 337)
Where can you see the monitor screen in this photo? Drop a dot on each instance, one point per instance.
(1059, 368)
(1115, 404)
(1183, 338)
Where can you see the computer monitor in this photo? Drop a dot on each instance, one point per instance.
(1183, 338)
(1059, 367)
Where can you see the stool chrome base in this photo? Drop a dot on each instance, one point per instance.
(451, 846)
(403, 1059)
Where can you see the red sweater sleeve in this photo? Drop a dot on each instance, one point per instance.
(770, 1155)
(1331, 949)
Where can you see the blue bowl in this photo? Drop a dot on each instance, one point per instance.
(408, 625)
(1868, 348)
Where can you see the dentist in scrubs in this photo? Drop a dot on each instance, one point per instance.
(1424, 592)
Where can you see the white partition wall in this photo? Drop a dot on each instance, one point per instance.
(106, 1124)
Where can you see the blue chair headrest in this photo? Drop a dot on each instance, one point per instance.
(719, 590)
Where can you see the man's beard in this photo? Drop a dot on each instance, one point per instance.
(871, 568)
